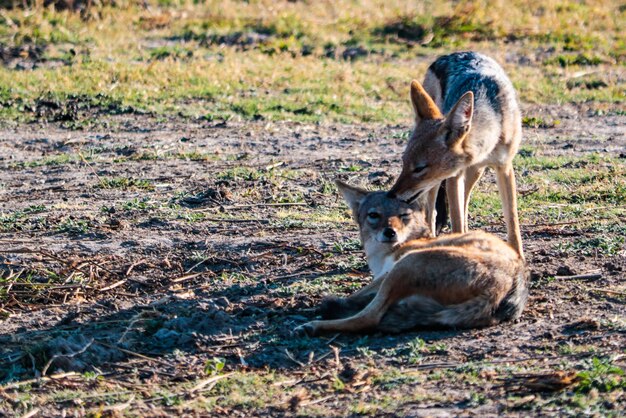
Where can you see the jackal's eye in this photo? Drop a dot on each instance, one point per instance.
(405, 215)
(419, 169)
(373, 216)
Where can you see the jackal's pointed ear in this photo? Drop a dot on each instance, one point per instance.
(459, 120)
(352, 195)
(423, 105)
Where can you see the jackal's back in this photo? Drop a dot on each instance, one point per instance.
(461, 72)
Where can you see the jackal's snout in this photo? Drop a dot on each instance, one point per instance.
(399, 189)
(405, 188)
(389, 235)
(391, 230)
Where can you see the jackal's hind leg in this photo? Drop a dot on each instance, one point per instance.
(506, 186)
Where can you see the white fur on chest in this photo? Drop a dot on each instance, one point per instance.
(382, 266)
(380, 262)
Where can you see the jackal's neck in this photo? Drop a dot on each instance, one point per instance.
(380, 257)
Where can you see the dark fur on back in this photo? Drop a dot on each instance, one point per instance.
(461, 72)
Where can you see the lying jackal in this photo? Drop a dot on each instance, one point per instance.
(459, 280)
(466, 118)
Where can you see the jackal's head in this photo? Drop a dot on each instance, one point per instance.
(383, 220)
(436, 148)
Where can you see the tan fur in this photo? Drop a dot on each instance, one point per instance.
(458, 280)
(459, 156)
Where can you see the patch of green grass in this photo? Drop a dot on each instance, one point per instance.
(125, 183)
(392, 378)
(477, 399)
(35, 209)
(347, 246)
(214, 366)
(320, 217)
(589, 83)
(470, 368)
(240, 173)
(191, 216)
(69, 395)
(605, 246)
(601, 374)
(541, 282)
(170, 399)
(338, 284)
(41, 28)
(328, 188)
(567, 60)
(215, 49)
(53, 160)
(351, 168)
(537, 122)
(247, 390)
(550, 85)
(454, 29)
(19, 219)
(568, 349)
(197, 156)
(11, 221)
(353, 262)
(590, 188)
(415, 350)
(438, 348)
(170, 52)
(143, 156)
(139, 204)
(73, 226)
(541, 163)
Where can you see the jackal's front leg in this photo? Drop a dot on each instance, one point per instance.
(334, 307)
(431, 210)
(394, 287)
(455, 189)
(472, 175)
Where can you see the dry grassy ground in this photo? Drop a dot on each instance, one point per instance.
(167, 212)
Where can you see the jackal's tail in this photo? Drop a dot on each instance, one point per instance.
(514, 302)
(419, 311)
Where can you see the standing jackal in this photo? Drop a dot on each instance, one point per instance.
(459, 280)
(466, 118)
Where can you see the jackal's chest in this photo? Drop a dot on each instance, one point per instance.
(381, 265)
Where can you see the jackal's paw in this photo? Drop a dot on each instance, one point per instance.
(333, 307)
(305, 329)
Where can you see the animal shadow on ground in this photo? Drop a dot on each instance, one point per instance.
(249, 324)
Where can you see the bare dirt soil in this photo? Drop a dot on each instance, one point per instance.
(140, 254)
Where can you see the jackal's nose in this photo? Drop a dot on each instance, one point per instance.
(389, 233)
